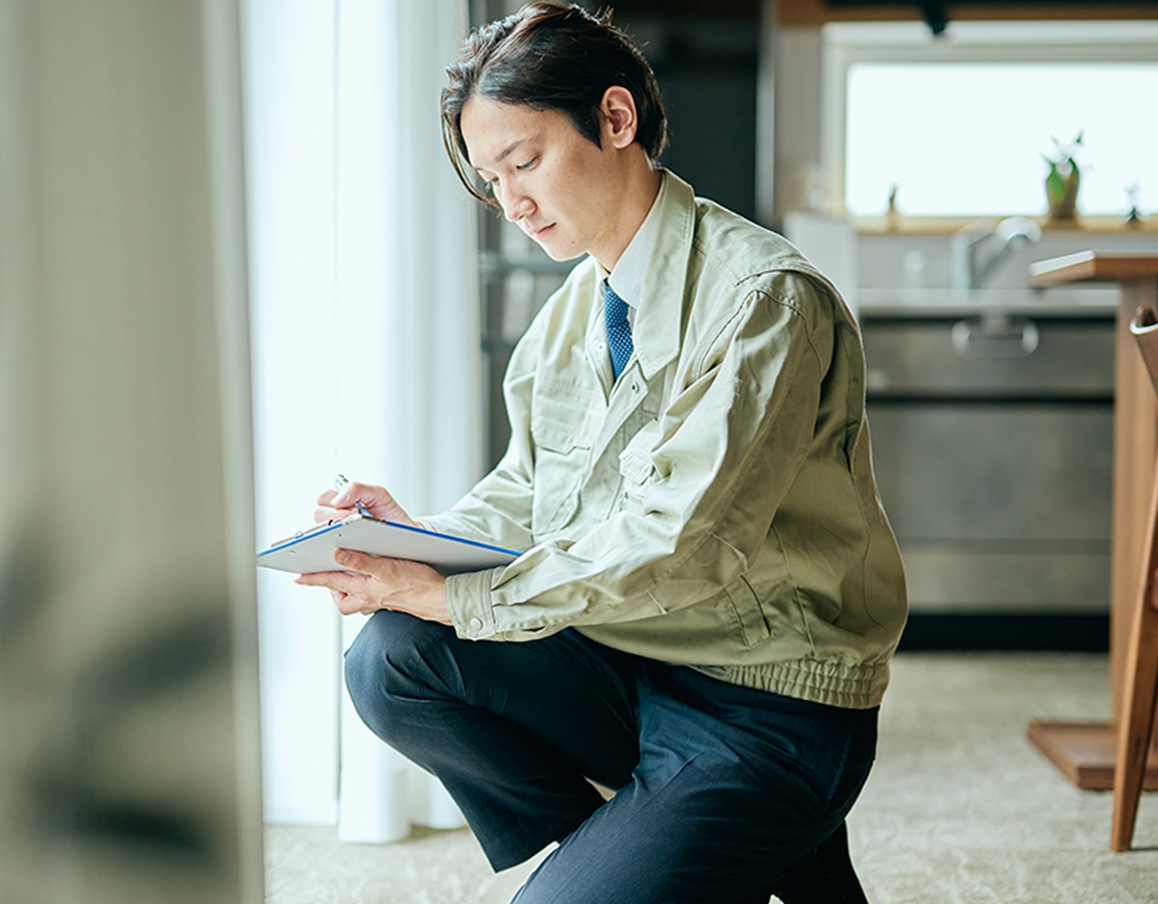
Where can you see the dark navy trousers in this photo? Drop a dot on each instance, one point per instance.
(719, 788)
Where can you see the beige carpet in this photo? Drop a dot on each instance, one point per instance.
(959, 808)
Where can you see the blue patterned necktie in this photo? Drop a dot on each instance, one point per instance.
(618, 329)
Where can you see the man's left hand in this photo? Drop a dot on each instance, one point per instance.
(382, 583)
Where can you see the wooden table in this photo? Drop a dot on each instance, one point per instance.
(1086, 751)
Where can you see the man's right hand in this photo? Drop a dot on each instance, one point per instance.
(334, 506)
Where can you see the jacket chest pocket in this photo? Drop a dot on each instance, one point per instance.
(636, 469)
(563, 437)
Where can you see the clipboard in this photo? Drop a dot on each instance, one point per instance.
(311, 551)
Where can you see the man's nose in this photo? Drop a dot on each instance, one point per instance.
(517, 205)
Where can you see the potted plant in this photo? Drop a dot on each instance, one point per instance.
(1062, 181)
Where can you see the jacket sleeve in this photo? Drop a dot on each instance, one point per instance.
(722, 456)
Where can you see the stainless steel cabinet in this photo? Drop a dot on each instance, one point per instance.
(992, 441)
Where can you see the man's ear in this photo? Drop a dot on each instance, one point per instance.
(620, 121)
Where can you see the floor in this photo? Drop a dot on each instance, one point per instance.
(960, 807)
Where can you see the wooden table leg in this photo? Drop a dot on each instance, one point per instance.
(1086, 752)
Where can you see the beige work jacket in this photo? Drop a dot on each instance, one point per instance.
(715, 506)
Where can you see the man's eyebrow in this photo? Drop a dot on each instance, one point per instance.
(505, 154)
(509, 151)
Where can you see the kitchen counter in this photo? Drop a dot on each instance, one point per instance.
(940, 303)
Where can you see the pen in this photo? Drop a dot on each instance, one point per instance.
(340, 483)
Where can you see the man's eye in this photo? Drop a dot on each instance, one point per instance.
(528, 164)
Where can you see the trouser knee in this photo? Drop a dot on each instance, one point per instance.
(390, 665)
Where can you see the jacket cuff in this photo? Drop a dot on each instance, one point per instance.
(468, 600)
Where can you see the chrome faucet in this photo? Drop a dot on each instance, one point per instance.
(967, 269)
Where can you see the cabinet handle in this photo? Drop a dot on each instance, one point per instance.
(1007, 337)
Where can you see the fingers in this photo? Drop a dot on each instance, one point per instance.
(375, 582)
(341, 581)
(348, 605)
(324, 515)
(346, 590)
(325, 512)
(353, 493)
(383, 569)
(364, 564)
(361, 562)
(380, 503)
(332, 580)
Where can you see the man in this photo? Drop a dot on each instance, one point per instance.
(710, 595)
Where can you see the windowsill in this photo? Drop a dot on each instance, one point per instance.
(947, 225)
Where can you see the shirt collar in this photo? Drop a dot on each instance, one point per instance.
(626, 277)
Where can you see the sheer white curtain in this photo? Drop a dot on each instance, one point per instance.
(366, 353)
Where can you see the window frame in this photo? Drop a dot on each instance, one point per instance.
(845, 44)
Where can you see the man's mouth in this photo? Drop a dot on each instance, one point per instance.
(542, 231)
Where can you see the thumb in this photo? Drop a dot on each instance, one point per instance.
(353, 560)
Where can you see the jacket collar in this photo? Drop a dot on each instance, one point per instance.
(659, 315)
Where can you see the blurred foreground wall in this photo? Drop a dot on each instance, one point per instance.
(128, 714)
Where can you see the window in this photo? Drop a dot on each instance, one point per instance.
(960, 125)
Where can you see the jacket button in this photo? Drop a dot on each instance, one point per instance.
(476, 624)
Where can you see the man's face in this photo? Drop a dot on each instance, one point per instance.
(559, 187)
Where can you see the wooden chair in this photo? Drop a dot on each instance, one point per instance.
(1140, 688)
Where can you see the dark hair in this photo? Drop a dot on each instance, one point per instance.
(550, 56)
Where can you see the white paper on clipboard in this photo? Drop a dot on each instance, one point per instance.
(313, 550)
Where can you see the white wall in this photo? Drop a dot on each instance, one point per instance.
(800, 180)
